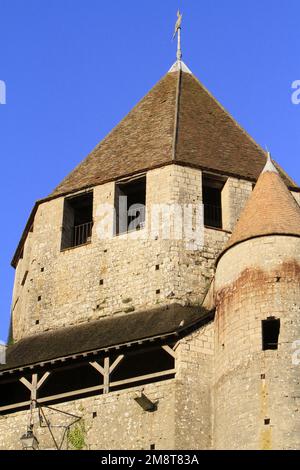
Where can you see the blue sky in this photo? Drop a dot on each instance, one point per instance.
(74, 68)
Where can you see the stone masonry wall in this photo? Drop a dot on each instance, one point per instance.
(123, 274)
(193, 406)
(256, 392)
(119, 423)
(118, 275)
(235, 194)
(182, 419)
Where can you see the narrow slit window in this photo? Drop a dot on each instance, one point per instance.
(77, 221)
(212, 201)
(24, 278)
(130, 202)
(270, 333)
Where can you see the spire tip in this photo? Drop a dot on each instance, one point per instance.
(178, 32)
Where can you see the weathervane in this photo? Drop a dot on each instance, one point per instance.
(178, 32)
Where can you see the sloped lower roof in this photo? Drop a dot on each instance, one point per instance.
(177, 121)
(271, 209)
(101, 334)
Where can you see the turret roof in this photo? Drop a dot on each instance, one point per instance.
(270, 210)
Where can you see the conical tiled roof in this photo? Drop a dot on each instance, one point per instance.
(178, 120)
(270, 210)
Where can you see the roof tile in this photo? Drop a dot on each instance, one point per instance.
(271, 209)
(206, 136)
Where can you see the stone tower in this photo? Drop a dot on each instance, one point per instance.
(257, 289)
(113, 312)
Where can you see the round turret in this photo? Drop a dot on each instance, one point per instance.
(257, 295)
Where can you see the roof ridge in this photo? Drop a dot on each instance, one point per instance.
(176, 117)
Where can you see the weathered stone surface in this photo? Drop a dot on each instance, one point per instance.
(257, 279)
(225, 386)
(68, 282)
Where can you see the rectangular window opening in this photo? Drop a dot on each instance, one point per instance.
(77, 221)
(212, 197)
(130, 202)
(270, 333)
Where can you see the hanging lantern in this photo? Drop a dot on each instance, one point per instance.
(29, 441)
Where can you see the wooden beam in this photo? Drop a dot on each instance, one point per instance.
(42, 380)
(34, 386)
(104, 371)
(97, 367)
(143, 377)
(15, 405)
(169, 350)
(87, 390)
(26, 383)
(106, 375)
(53, 397)
(107, 370)
(70, 394)
(34, 389)
(116, 363)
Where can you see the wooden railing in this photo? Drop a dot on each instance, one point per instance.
(82, 234)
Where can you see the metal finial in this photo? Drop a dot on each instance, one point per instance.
(178, 32)
(269, 166)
